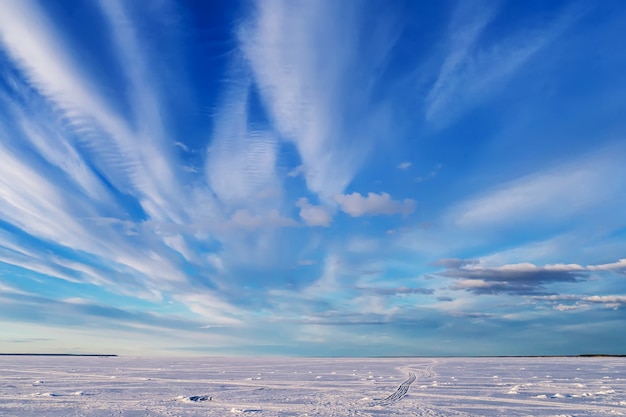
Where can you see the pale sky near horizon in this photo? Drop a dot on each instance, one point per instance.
(313, 177)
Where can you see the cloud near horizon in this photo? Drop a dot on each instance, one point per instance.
(520, 279)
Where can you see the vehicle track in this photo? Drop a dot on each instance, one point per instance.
(402, 390)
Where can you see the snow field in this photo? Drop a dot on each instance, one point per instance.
(122, 386)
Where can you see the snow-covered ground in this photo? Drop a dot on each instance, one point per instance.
(87, 386)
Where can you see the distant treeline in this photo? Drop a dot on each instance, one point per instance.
(58, 354)
(603, 355)
(582, 355)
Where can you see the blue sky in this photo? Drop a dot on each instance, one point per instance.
(313, 177)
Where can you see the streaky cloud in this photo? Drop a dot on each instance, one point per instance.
(554, 194)
(473, 69)
(305, 78)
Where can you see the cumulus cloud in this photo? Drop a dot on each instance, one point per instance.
(357, 205)
(522, 278)
(404, 165)
(314, 215)
(299, 170)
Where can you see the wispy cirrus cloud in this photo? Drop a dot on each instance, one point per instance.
(76, 323)
(475, 66)
(69, 173)
(310, 77)
(157, 176)
(49, 66)
(554, 194)
(132, 154)
(465, 26)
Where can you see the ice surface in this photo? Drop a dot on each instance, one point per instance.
(88, 386)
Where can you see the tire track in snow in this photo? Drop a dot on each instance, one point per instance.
(402, 390)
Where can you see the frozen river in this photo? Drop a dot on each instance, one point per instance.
(123, 386)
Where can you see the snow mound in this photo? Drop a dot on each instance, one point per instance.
(45, 394)
(195, 398)
(607, 392)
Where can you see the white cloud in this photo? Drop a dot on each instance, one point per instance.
(475, 284)
(608, 301)
(314, 215)
(211, 307)
(60, 152)
(181, 146)
(467, 23)
(51, 69)
(554, 195)
(135, 162)
(328, 283)
(296, 87)
(619, 266)
(373, 204)
(247, 220)
(305, 59)
(471, 70)
(157, 176)
(5, 288)
(35, 204)
(404, 165)
(568, 307)
(521, 278)
(240, 163)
